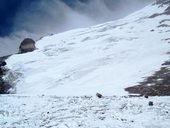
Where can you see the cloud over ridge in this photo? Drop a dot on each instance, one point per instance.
(39, 18)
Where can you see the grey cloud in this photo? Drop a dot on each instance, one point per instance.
(53, 16)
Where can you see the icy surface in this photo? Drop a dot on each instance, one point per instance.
(83, 112)
(105, 58)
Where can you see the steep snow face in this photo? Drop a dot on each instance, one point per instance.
(105, 58)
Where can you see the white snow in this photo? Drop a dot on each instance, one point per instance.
(56, 83)
(105, 58)
(83, 112)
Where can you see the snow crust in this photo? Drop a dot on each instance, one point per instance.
(83, 112)
(104, 58)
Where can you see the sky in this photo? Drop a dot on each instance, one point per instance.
(37, 18)
(10, 9)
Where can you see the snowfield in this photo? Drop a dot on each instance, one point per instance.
(55, 84)
(105, 58)
(83, 112)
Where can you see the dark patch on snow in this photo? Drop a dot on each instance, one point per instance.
(167, 11)
(156, 85)
(167, 39)
(4, 85)
(161, 3)
(152, 30)
(99, 95)
(155, 15)
(150, 103)
(166, 62)
(163, 25)
(164, 21)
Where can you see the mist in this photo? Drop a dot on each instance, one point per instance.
(39, 18)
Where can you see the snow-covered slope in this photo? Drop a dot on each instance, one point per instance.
(105, 58)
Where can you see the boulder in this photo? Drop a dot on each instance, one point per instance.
(150, 103)
(99, 95)
(146, 96)
(27, 45)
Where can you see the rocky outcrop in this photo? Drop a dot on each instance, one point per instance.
(156, 85)
(2, 64)
(27, 45)
(4, 86)
(1, 86)
(162, 3)
(8, 78)
(167, 11)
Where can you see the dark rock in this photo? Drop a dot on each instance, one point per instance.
(162, 2)
(167, 11)
(99, 95)
(150, 103)
(166, 63)
(163, 25)
(146, 96)
(162, 21)
(155, 15)
(27, 45)
(156, 85)
(2, 63)
(155, 90)
(1, 72)
(4, 87)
